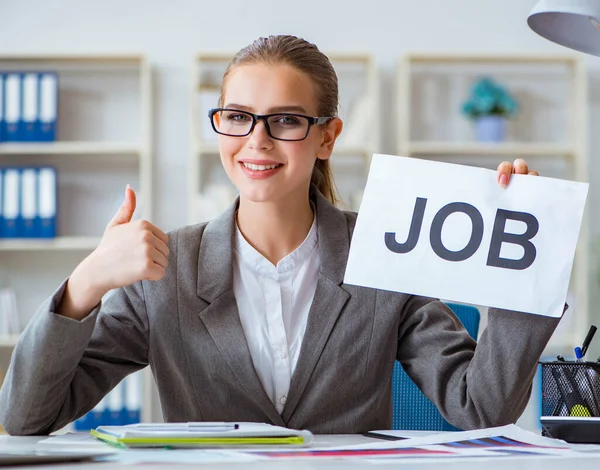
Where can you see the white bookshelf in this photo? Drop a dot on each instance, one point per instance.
(58, 243)
(104, 141)
(359, 88)
(541, 149)
(550, 132)
(8, 341)
(74, 149)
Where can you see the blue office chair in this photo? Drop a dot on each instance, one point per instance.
(411, 410)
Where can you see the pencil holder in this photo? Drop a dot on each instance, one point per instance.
(571, 389)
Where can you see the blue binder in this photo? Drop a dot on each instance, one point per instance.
(94, 418)
(1, 205)
(10, 202)
(2, 125)
(29, 201)
(12, 107)
(47, 202)
(133, 398)
(116, 405)
(30, 108)
(48, 106)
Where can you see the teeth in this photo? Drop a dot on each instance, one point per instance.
(252, 166)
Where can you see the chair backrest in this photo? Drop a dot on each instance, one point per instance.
(411, 410)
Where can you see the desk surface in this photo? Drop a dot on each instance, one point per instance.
(515, 463)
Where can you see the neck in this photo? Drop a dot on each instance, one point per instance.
(276, 228)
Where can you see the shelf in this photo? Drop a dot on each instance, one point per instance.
(475, 148)
(51, 244)
(490, 57)
(70, 148)
(117, 58)
(8, 341)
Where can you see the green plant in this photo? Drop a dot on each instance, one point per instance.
(489, 99)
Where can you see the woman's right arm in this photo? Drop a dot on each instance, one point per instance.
(78, 347)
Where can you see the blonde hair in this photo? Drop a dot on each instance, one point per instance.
(307, 58)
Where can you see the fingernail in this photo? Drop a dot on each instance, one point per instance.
(503, 180)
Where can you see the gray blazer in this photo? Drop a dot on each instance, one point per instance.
(187, 328)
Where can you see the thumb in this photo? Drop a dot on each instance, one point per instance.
(126, 210)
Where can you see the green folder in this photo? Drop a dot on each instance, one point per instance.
(203, 434)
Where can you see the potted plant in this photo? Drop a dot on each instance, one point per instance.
(490, 106)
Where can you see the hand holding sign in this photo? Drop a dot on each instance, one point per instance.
(519, 167)
(449, 231)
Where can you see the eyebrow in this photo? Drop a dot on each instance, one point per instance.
(276, 109)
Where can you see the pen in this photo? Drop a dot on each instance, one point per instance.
(578, 354)
(213, 426)
(588, 339)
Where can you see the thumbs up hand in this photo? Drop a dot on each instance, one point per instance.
(129, 251)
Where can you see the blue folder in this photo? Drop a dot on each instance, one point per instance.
(10, 202)
(12, 107)
(29, 221)
(48, 106)
(47, 201)
(30, 106)
(2, 125)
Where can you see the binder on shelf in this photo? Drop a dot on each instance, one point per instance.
(2, 138)
(30, 111)
(10, 202)
(116, 405)
(47, 202)
(12, 107)
(133, 398)
(48, 90)
(98, 414)
(29, 218)
(1, 204)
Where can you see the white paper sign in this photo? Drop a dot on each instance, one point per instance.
(451, 232)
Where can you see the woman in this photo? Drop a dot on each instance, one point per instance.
(246, 318)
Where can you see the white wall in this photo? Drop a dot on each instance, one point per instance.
(170, 33)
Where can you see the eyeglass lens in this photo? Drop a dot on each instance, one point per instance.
(281, 126)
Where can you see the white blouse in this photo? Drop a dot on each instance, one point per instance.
(273, 304)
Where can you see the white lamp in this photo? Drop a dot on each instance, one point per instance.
(570, 23)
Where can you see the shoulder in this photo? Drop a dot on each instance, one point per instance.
(187, 237)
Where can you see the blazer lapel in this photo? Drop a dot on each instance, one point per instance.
(221, 316)
(330, 298)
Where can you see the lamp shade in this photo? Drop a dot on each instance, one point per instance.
(571, 23)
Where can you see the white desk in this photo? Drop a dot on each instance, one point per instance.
(514, 463)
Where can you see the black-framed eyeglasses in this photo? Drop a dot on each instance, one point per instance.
(280, 126)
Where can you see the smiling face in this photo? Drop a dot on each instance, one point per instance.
(262, 168)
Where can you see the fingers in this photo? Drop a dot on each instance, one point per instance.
(504, 171)
(158, 233)
(158, 257)
(154, 237)
(125, 212)
(154, 272)
(518, 167)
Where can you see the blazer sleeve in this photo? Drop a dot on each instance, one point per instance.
(61, 368)
(474, 385)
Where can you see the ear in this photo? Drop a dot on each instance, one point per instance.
(332, 130)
